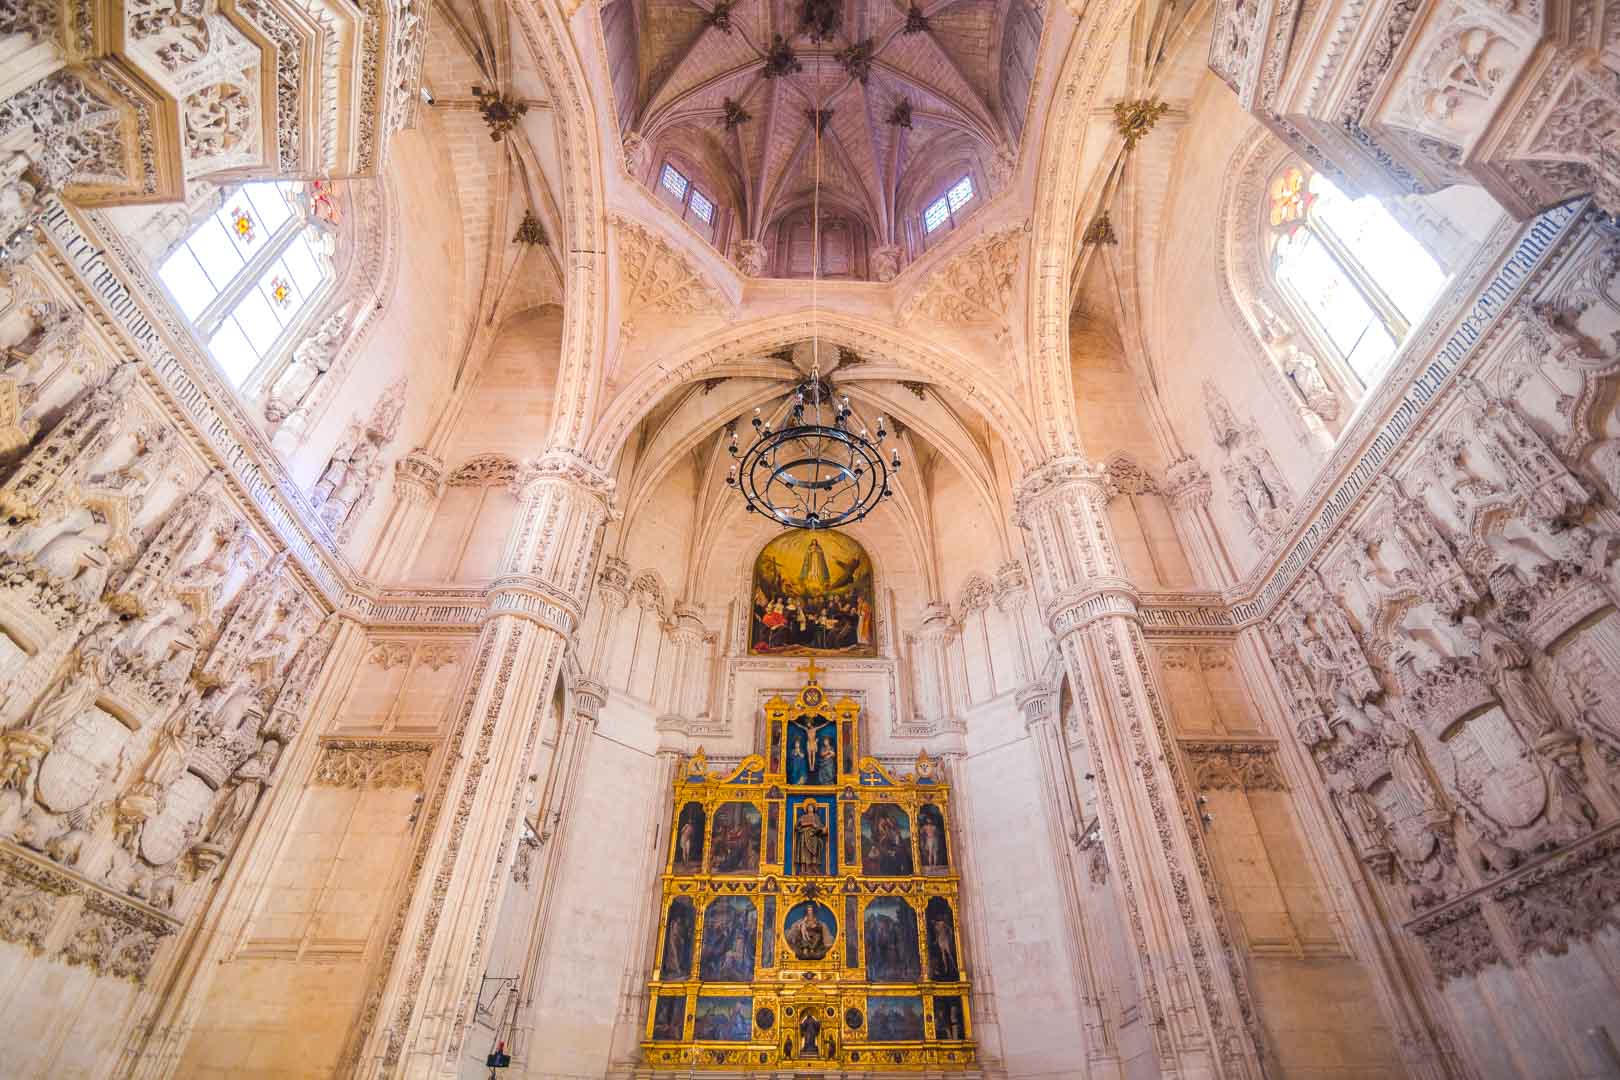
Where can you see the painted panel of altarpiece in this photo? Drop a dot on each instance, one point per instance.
(809, 909)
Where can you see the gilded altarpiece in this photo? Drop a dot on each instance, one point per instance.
(809, 915)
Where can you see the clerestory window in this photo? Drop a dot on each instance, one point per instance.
(1351, 272)
(945, 209)
(249, 274)
(695, 208)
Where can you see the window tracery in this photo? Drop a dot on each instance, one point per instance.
(1349, 271)
(681, 191)
(248, 275)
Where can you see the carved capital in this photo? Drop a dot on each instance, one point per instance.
(1038, 704)
(589, 697)
(418, 476)
(1187, 484)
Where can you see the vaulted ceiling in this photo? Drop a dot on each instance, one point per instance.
(911, 97)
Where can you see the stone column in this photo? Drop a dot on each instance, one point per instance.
(556, 814)
(1065, 820)
(1188, 488)
(418, 483)
(631, 1019)
(156, 1047)
(1204, 1023)
(933, 676)
(414, 1018)
(686, 674)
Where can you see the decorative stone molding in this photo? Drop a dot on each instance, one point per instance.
(1232, 765)
(372, 763)
(418, 476)
(974, 285)
(657, 277)
(61, 916)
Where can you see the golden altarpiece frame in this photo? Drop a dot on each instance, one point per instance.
(810, 912)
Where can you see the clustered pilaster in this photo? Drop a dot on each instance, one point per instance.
(1204, 1022)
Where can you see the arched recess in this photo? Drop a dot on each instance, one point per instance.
(582, 368)
(1251, 298)
(734, 350)
(1061, 195)
(471, 521)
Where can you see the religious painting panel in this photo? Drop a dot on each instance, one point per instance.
(679, 924)
(941, 924)
(730, 926)
(767, 939)
(812, 751)
(810, 839)
(950, 1019)
(850, 832)
(885, 841)
(724, 1019)
(734, 848)
(689, 840)
(894, 1019)
(932, 847)
(813, 596)
(810, 930)
(669, 1018)
(852, 949)
(891, 942)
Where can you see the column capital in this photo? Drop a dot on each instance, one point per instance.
(529, 596)
(1101, 598)
(1038, 703)
(568, 468)
(589, 697)
(1072, 475)
(418, 476)
(1187, 484)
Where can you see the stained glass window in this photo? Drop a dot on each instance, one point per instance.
(1348, 267)
(944, 209)
(702, 208)
(673, 182)
(695, 208)
(249, 272)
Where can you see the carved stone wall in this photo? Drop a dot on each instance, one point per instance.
(1449, 657)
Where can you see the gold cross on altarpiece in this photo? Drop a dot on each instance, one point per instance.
(810, 670)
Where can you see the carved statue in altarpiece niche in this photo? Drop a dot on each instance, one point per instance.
(351, 474)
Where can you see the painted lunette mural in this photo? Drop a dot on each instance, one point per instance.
(809, 910)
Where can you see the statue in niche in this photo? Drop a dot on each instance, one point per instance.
(350, 477)
(1525, 700)
(247, 785)
(809, 840)
(310, 360)
(1407, 766)
(1301, 367)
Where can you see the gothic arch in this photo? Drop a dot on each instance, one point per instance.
(1252, 301)
(1062, 195)
(581, 370)
(737, 350)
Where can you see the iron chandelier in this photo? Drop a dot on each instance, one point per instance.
(812, 474)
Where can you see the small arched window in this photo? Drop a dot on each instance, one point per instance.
(1351, 272)
(250, 273)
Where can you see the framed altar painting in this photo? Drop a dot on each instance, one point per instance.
(813, 596)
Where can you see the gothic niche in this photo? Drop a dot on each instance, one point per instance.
(1258, 494)
(349, 481)
(809, 908)
(166, 663)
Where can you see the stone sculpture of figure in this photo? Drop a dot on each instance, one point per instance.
(348, 477)
(1302, 368)
(1526, 701)
(63, 705)
(18, 205)
(1364, 718)
(246, 787)
(809, 840)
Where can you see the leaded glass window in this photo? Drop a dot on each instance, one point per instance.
(1352, 273)
(249, 274)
